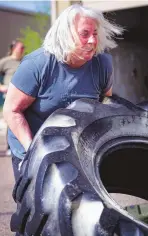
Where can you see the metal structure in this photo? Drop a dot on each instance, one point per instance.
(57, 6)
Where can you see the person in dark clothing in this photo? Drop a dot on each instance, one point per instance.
(71, 64)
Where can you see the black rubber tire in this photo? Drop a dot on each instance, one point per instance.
(143, 105)
(76, 158)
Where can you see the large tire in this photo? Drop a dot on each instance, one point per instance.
(79, 155)
(143, 105)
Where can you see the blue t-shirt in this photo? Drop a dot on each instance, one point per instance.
(55, 85)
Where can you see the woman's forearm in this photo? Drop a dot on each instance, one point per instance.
(19, 126)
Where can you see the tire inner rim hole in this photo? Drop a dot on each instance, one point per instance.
(123, 172)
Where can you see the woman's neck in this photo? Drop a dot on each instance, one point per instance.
(75, 62)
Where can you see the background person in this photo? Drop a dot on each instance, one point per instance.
(70, 65)
(8, 66)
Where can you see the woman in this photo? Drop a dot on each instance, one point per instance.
(70, 65)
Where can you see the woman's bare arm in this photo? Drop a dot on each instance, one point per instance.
(15, 104)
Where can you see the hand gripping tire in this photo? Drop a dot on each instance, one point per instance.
(78, 156)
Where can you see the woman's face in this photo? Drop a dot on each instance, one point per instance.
(86, 29)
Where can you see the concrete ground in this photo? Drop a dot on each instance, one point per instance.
(7, 205)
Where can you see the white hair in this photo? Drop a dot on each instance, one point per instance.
(60, 39)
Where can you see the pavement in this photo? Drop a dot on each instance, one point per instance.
(7, 205)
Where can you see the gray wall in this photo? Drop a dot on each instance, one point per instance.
(10, 24)
(130, 57)
(130, 68)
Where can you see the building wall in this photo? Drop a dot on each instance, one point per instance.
(130, 57)
(108, 5)
(130, 70)
(10, 24)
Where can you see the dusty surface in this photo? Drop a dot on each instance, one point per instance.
(126, 200)
(7, 206)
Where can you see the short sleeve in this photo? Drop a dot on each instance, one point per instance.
(26, 78)
(109, 83)
(107, 64)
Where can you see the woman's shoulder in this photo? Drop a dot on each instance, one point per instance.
(39, 58)
(105, 58)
